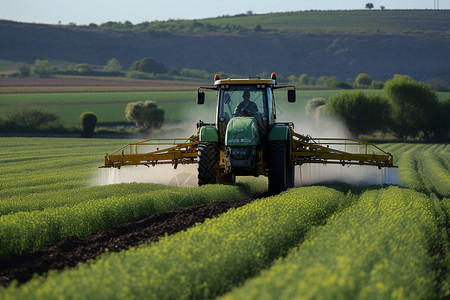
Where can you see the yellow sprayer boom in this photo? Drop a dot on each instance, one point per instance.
(304, 149)
(147, 152)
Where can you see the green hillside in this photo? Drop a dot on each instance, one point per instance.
(349, 22)
(381, 43)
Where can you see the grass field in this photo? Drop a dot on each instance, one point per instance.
(383, 242)
(179, 105)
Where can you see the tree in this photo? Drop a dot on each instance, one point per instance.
(369, 5)
(31, 119)
(304, 79)
(42, 68)
(313, 104)
(361, 113)
(112, 66)
(24, 69)
(88, 121)
(146, 114)
(83, 68)
(414, 107)
(438, 84)
(149, 65)
(363, 80)
(174, 71)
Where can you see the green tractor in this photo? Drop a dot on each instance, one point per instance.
(246, 139)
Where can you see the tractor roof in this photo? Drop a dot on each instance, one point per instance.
(249, 81)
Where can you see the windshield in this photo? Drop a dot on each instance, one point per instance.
(240, 100)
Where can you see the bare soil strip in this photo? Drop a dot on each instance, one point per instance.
(69, 252)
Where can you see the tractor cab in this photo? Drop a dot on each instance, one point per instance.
(245, 127)
(245, 104)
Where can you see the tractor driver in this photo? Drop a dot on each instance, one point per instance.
(246, 108)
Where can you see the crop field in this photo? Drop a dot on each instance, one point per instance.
(327, 241)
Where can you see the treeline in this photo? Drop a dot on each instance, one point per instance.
(172, 26)
(146, 68)
(145, 114)
(149, 68)
(35, 120)
(409, 110)
(361, 81)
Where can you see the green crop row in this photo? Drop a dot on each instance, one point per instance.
(70, 197)
(33, 165)
(423, 167)
(29, 230)
(45, 193)
(205, 261)
(384, 247)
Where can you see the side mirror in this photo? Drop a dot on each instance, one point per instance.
(200, 97)
(291, 95)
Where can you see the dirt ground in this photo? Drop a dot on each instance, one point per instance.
(69, 252)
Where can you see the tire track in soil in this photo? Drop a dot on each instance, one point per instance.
(73, 250)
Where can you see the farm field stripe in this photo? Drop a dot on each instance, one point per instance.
(73, 250)
(384, 247)
(202, 262)
(425, 168)
(31, 230)
(70, 197)
(408, 171)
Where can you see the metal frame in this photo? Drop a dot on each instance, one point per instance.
(183, 151)
(304, 149)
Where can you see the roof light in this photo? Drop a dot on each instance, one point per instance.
(217, 77)
(274, 76)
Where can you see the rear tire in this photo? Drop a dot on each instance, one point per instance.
(281, 173)
(208, 162)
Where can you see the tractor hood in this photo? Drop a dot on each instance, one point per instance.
(242, 131)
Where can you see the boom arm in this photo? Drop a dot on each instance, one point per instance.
(181, 151)
(304, 149)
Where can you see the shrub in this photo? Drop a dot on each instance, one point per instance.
(415, 108)
(313, 104)
(363, 80)
(146, 114)
(149, 65)
(42, 68)
(361, 113)
(88, 122)
(31, 119)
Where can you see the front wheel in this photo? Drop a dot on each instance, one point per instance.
(208, 162)
(281, 173)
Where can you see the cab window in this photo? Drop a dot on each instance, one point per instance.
(232, 97)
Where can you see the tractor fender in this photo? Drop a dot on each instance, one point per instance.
(208, 133)
(279, 133)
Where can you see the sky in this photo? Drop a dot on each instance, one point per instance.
(84, 12)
